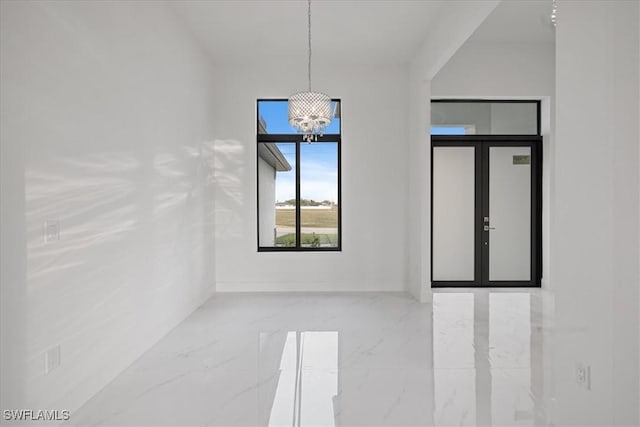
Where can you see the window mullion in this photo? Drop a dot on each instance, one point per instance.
(298, 216)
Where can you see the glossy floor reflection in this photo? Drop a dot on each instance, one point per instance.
(472, 358)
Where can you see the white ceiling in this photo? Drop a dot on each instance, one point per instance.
(343, 31)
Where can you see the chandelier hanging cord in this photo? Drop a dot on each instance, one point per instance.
(309, 112)
(309, 38)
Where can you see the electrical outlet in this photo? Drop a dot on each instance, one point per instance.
(51, 231)
(52, 359)
(583, 375)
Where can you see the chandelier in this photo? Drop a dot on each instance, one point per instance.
(309, 112)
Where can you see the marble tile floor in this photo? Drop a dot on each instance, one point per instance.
(473, 357)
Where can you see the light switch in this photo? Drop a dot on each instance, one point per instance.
(52, 359)
(51, 231)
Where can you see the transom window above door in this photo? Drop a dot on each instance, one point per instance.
(483, 117)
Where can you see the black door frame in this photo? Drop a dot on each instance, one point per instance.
(481, 143)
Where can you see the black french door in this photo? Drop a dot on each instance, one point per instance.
(486, 211)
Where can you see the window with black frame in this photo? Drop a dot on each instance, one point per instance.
(486, 193)
(298, 183)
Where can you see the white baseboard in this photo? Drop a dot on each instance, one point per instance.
(223, 287)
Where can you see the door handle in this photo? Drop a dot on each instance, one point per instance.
(487, 228)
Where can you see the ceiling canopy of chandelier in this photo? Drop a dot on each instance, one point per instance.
(310, 112)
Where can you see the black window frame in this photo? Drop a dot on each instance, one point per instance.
(481, 143)
(297, 138)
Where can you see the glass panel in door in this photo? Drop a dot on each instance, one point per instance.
(509, 213)
(453, 213)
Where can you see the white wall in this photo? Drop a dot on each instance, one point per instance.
(442, 41)
(595, 219)
(104, 109)
(417, 219)
(384, 248)
(497, 70)
(374, 168)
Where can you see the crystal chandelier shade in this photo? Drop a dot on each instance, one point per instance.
(310, 112)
